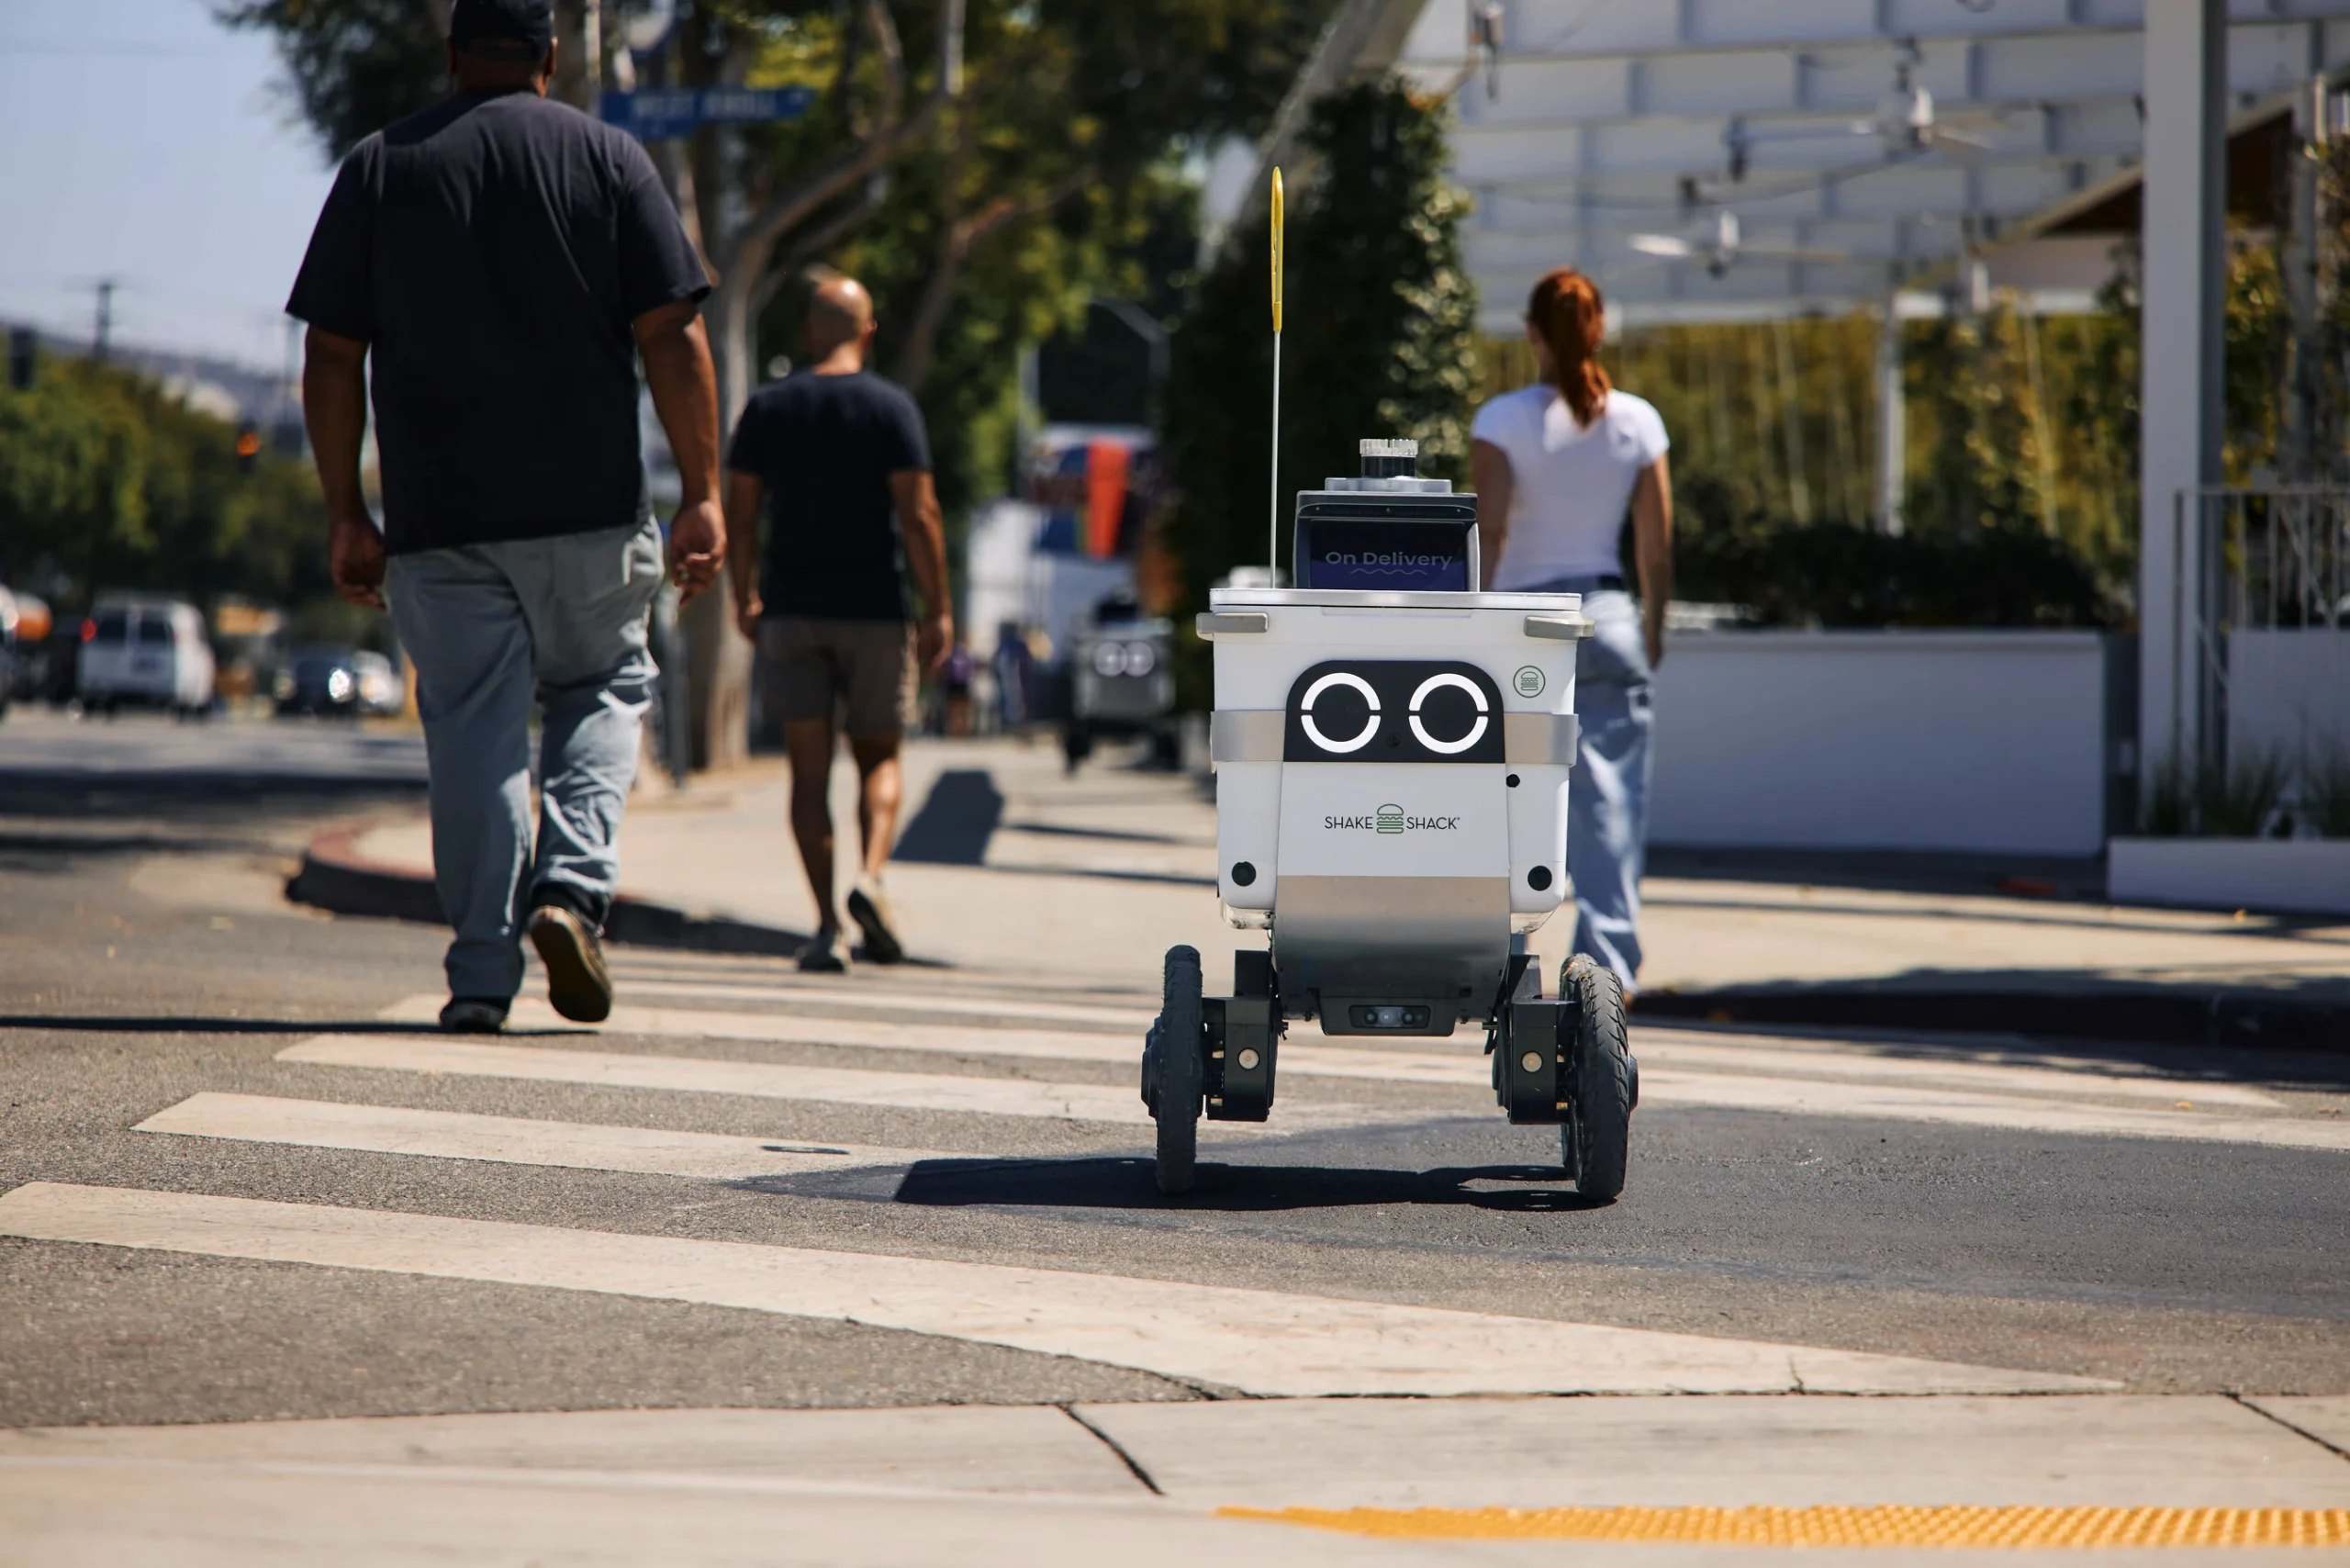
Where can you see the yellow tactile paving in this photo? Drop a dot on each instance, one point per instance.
(2020, 1528)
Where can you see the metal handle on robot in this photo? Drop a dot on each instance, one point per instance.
(1561, 628)
(1213, 623)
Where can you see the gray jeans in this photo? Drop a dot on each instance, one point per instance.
(493, 631)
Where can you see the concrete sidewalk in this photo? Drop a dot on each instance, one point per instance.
(1006, 864)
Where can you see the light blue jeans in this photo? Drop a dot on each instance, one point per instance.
(1607, 796)
(495, 631)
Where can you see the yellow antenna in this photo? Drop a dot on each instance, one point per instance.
(1274, 523)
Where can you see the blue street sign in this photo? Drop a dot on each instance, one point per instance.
(665, 114)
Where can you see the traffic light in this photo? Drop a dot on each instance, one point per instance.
(248, 448)
(24, 357)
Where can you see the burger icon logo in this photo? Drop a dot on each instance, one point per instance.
(1391, 819)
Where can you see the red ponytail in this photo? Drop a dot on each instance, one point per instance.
(1566, 309)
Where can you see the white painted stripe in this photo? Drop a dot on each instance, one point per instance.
(773, 1080)
(1887, 1088)
(1764, 1055)
(1260, 1341)
(1131, 1019)
(802, 1029)
(512, 1141)
(1895, 1102)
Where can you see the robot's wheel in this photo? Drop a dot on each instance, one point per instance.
(1594, 1144)
(1175, 1070)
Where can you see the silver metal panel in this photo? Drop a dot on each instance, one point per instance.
(1396, 936)
(1533, 739)
(1213, 623)
(1562, 628)
(1245, 734)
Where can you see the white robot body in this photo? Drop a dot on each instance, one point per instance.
(1393, 845)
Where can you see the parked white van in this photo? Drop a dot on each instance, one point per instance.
(147, 650)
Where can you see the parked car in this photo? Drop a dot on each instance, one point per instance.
(149, 652)
(343, 682)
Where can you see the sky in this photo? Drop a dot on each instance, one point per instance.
(142, 140)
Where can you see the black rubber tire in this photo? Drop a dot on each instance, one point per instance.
(1595, 1144)
(1179, 1070)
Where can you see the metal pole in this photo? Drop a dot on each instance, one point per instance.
(2179, 396)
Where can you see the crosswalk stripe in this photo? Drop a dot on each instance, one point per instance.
(511, 1141)
(805, 1029)
(1881, 1087)
(1262, 1342)
(773, 1080)
(959, 1005)
(1778, 1058)
(2011, 1113)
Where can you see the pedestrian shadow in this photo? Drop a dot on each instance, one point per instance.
(957, 818)
(1128, 1183)
(193, 1023)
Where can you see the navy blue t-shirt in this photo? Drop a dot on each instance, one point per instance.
(824, 447)
(493, 252)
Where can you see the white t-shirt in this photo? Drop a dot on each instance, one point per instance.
(1570, 483)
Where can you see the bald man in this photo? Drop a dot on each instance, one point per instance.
(836, 460)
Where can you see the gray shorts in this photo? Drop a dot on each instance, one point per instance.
(857, 674)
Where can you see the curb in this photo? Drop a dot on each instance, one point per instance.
(333, 877)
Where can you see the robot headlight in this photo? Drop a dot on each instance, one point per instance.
(1411, 711)
(1109, 659)
(1141, 658)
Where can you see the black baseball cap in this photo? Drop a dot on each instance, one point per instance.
(502, 29)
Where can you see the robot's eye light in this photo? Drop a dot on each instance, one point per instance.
(1341, 712)
(1141, 660)
(1449, 713)
(1109, 659)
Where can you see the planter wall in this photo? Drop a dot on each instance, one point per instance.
(2296, 876)
(1986, 741)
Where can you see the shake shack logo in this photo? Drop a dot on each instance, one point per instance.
(1391, 819)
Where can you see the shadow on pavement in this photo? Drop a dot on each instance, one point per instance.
(1127, 1183)
(175, 1024)
(956, 820)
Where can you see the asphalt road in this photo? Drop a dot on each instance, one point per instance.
(148, 962)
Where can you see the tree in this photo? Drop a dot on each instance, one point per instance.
(1379, 336)
(110, 483)
(985, 157)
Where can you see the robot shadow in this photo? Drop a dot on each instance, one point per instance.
(1112, 1182)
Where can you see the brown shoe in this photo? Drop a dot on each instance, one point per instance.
(578, 983)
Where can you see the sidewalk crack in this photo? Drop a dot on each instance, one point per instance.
(1133, 1466)
(2336, 1449)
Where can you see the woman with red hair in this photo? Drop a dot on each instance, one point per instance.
(1556, 466)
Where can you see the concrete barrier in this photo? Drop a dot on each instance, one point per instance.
(1982, 742)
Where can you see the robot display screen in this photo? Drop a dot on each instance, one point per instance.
(1386, 555)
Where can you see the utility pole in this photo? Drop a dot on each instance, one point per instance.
(106, 317)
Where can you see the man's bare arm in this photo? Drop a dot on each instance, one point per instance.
(1652, 549)
(334, 407)
(925, 535)
(1490, 475)
(685, 394)
(745, 492)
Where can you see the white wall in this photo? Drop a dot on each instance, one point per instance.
(1977, 740)
(2290, 692)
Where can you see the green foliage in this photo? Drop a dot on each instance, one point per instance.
(2239, 799)
(107, 480)
(356, 65)
(1972, 397)
(1379, 335)
(2325, 791)
(1832, 574)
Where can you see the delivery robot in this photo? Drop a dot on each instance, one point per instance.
(1122, 682)
(1392, 751)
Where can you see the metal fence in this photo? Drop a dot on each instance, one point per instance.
(2261, 668)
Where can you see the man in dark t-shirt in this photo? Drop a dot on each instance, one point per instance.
(838, 462)
(500, 262)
